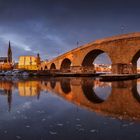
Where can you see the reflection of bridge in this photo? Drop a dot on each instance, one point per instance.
(123, 99)
(123, 50)
(123, 102)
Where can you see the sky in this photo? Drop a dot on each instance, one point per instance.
(52, 27)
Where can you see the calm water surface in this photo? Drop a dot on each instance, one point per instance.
(69, 109)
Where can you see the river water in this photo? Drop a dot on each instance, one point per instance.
(69, 109)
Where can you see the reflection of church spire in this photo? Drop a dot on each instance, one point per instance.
(9, 99)
(38, 95)
(9, 53)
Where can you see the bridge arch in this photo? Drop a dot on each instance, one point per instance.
(134, 61)
(66, 63)
(45, 68)
(53, 66)
(89, 93)
(65, 86)
(53, 83)
(90, 56)
(136, 90)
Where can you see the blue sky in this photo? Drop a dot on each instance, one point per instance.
(52, 27)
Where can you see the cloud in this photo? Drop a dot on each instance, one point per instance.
(53, 27)
(58, 41)
(17, 41)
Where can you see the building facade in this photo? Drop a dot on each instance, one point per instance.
(29, 62)
(6, 62)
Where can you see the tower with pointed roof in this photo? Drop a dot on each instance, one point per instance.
(9, 53)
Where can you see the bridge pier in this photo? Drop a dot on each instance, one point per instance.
(123, 68)
(82, 69)
(135, 67)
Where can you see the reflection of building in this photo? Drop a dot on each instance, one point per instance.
(26, 88)
(6, 87)
(29, 62)
(6, 62)
(29, 88)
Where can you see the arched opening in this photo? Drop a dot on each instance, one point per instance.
(136, 89)
(53, 83)
(45, 83)
(87, 87)
(136, 63)
(99, 60)
(65, 65)
(45, 68)
(53, 67)
(102, 89)
(65, 86)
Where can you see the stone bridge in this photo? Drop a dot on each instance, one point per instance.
(123, 50)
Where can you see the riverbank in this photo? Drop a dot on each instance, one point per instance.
(118, 77)
(48, 73)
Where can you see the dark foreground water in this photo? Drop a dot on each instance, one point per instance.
(69, 109)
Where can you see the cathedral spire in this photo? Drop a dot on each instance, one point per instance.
(9, 53)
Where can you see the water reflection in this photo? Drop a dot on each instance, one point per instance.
(29, 88)
(6, 90)
(65, 85)
(52, 83)
(116, 99)
(89, 93)
(102, 89)
(136, 90)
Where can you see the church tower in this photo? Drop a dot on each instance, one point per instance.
(9, 53)
(38, 59)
